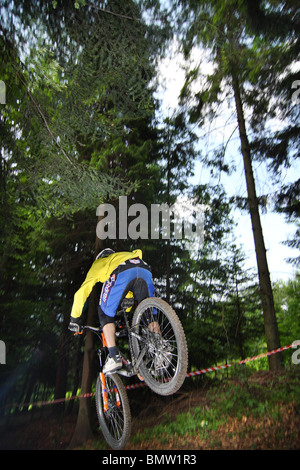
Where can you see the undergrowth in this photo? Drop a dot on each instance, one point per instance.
(244, 400)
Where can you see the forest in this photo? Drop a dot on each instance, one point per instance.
(82, 127)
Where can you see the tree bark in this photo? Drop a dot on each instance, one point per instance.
(270, 322)
(62, 366)
(83, 430)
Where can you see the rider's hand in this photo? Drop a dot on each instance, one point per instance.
(74, 325)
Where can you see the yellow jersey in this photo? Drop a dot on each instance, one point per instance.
(100, 271)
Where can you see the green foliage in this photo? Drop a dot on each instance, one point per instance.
(287, 301)
(78, 102)
(256, 399)
(73, 98)
(78, 130)
(238, 400)
(244, 40)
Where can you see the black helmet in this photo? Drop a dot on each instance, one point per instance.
(104, 253)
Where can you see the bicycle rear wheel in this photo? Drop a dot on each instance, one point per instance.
(113, 411)
(160, 333)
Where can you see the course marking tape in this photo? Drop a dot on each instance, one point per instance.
(142, 384)
(244, 361)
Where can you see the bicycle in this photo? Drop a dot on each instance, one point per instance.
(158, 355)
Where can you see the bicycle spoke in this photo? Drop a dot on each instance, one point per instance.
(114, 415)
(158, 330)
(162, 348)
(115, 422)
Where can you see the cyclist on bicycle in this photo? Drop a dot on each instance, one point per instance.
(120, 273)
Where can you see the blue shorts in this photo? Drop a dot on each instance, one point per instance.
(133, 278)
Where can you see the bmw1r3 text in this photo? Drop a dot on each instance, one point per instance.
(165, 459)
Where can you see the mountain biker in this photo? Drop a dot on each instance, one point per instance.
(120, 273)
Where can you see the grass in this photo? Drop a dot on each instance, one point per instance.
(189, 423)
(256, 411)
(234, 411)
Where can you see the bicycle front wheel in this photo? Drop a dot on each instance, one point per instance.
(113, 410)
(161, 340)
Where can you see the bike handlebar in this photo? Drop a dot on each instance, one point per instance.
(90, 328)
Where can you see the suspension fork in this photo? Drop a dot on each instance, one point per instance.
(103, 382)
(102, 376)
(104, 391)
(118, 401)
(105, 394)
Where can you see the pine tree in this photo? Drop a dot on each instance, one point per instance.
(79, 102)
(239, 58)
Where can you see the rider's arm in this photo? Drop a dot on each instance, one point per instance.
(81, 296)
(74, 324)
(80, 299)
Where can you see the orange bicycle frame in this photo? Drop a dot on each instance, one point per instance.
(118, 401)
(104, 391)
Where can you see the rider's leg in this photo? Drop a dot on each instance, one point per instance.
(114, 361)
(143, 288)
(110, 297)
(109, 331)
(138, 280)
(154, 327)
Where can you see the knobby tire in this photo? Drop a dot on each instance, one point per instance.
(164, 365)
(115, 423)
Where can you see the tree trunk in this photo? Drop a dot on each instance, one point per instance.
(62, 367)
(83, 430)
(168, 263)
(270, 323)
(168, 247)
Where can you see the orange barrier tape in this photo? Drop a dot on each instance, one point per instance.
(142, 384)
